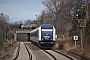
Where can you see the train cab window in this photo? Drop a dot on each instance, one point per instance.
(47, 32)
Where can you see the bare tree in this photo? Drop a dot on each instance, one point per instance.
(3, 25)
(27, 22)
(20, 22)
(62, 11)
(53, 8)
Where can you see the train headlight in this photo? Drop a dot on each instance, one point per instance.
(51, 39)
(42, 39)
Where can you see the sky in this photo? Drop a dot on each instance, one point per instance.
(21, 9)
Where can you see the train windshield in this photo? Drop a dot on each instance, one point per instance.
(47, 32)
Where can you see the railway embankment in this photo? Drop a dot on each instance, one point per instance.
(66, 45)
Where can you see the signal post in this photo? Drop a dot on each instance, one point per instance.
(81, 23)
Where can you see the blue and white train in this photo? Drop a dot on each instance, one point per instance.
(46, 35)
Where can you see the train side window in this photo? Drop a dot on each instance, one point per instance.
(37, 33)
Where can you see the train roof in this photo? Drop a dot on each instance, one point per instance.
(46, 26)
(34, 30)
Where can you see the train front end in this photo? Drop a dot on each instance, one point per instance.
(46, 35)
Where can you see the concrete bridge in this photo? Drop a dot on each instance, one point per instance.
(21, 31)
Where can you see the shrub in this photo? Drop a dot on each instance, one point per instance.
(1, 41)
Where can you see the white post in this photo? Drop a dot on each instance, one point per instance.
(75, 43)
(75, 38)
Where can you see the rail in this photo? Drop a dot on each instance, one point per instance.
(18, 50)
(30, 56)
(63, 54)
(33, 42)
(80, 57)
(17, 54)
(50, 54)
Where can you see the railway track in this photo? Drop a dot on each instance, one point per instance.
(63, 54)
(22, 52)
(54, 54)
(58, 56)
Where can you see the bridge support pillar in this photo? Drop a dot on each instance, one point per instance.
(15, 36)
(28, 36)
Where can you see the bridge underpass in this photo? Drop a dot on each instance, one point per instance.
(22, 35)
